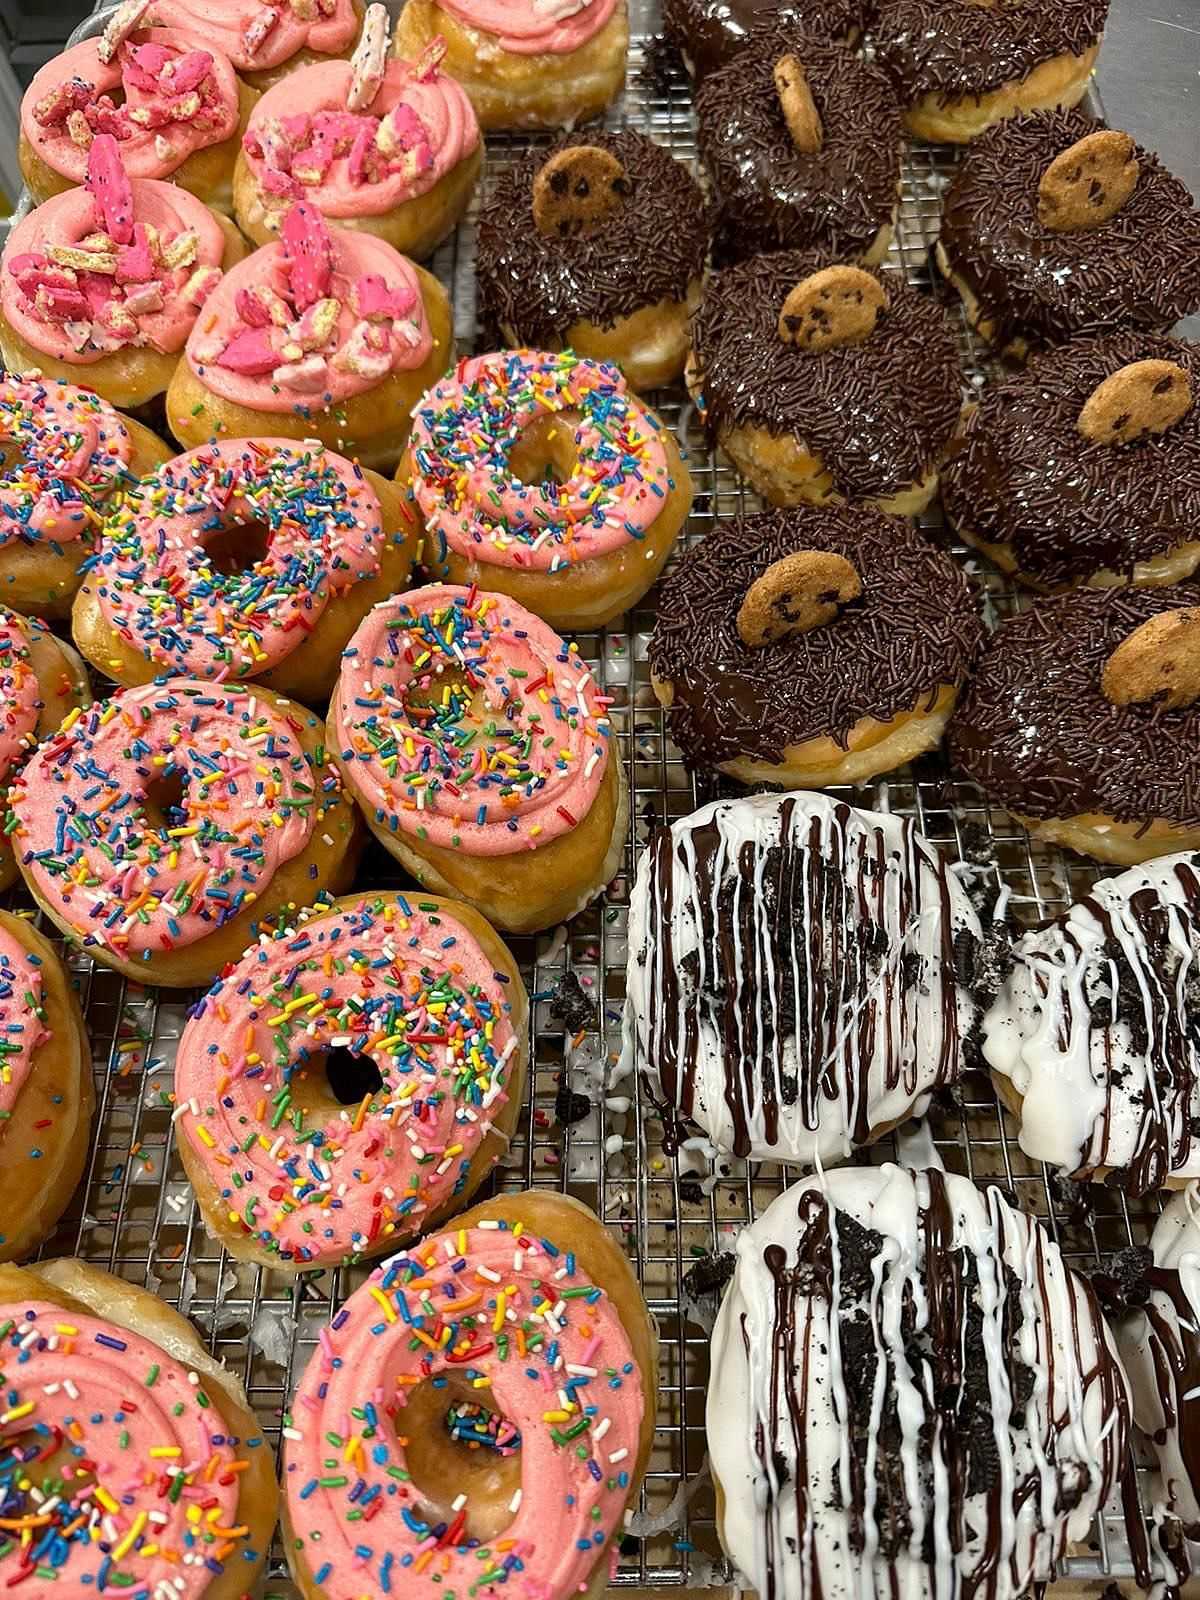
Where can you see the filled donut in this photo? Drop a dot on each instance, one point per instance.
(801, 975)
(264, 43)
(708, 33)
(522, 1324)
(253, 558)
(163, 829)
(480, 751)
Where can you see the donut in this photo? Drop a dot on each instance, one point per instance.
(708, 33)
(163, 1482)
(180, 583)
(923, 1396)
(618, 287)
(46, 1098)
(1037, 729)
(525, 1312)
(960, 67)
(392, 1029)
(576, 525)
(769, 680)
(176, 108)
(264, 43)
(128, 831)
(801, 975)
(102, 284)
(832, 180)
(863, 413)
(1036, 261)
(66, 454)
(479, 749)
(525, 64)
(328, 335)
(1059, 489)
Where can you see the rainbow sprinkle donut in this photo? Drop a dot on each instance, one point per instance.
(351, 1080)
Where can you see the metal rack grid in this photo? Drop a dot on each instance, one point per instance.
(134, 1214)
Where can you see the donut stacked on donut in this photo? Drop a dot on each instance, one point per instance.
(708, 33)
(264, 43)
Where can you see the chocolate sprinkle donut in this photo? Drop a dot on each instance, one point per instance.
(914, 628)
(1140, 269)
(1034, 729)
(709, 32)
(877, 413)
(647, 249)
(771, 195)
(1024, 476)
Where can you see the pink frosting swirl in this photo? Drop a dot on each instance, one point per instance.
(22, 1021)
(72, 450)
(302, 142)
(178, 98)
(528, 27)
(20, 693)
(257, 37)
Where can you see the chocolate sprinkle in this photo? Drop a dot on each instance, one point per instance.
(1141, 269)
(877, 413)
(709, 32)
(1069, 507)
(915, 627)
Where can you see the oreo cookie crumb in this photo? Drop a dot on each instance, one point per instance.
(662, 64)
(570, 1006)
(570, 1106)
(709, 1274)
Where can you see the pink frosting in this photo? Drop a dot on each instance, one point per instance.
(20, 694)
(178, 98)
(527, 27)
(322, 315)
(257, 37)
(72, 451)
(513, 1320)
(302, 142)
(22, 1021)
(407, 989)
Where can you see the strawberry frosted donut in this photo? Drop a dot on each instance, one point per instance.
(256, 558)
(527, 1311)
(264, 41)
(70, 453)
(393, 1032)
(101, 285)
(177, 110)
(480, 751)
(541, 476)
(164, 828)
(326, 335)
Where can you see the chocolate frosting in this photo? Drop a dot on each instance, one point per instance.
(771, 195)
(648, 248)
(956, 49)
(1140, 269)
(877, 413)
(1023, 475)
(1034, 729)
(710, 32)
(914, 628)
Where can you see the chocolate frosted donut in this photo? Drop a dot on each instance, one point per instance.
(708, 33)
(1025, 284)
(771, 194)
(620, 288)
(1057, 508)
(869, 689)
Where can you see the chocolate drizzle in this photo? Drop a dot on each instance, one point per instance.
(1023, 475)
(877, 413)
(914, 629)
(771, 195)
(1141, 269)
(709, 32)
(648, 249)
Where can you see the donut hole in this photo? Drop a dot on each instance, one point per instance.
(237, 547)
(446, 1459)
(545, 451)
(325, 1080)
(164, 799)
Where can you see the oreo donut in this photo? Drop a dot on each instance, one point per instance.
(708, 33)
(770, 678)
(802, 143)
(599, 247)
(1085, 467)
(1055, 225)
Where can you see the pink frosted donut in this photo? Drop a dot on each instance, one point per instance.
(20, 694)
(72, 450)
(529, 27)
(258, 37)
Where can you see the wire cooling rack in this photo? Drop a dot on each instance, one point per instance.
(135, 1215)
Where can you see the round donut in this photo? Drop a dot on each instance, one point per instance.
(911, 1393)
(807, 707)
(770, 194)
(179, 582)
(620, 290)
(479, 749)
(167, 1484)
(393, 1031)
(866, 421)
(757, 928)
(64, 455)
(708, 33)
(525, 1312)
(163, 829)
(1025, 285)
(46, 1097)
(265, 43)
(328, 335)
(539, 475)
